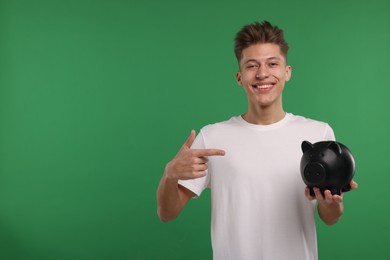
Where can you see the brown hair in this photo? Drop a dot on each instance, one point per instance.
(257, 32)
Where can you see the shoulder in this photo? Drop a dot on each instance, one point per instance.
(305, 121)
(306, 125)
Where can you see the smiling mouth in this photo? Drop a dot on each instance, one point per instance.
(265, 86)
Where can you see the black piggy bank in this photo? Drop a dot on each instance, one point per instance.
(327, 165)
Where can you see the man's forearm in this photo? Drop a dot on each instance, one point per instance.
(168, 199)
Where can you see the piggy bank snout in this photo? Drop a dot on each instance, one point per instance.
(314, 173)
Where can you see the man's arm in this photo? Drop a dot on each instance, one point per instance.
(187, 164)
(330, 207)
(171, 198)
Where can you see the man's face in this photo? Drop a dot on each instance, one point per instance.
(263, 72)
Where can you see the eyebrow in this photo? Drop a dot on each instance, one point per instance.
(270, 58)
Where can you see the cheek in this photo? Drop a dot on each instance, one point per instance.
(247, 78)
(281, 75)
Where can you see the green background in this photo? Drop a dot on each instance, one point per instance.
(96, 97)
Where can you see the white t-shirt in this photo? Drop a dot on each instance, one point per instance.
(259, 210)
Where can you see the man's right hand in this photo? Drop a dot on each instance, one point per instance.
(190, 163)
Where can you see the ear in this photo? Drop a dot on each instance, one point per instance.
(306, 146)
(288, 72)
(334, 146)
(238, 78)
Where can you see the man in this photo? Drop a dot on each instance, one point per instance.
(261, 208)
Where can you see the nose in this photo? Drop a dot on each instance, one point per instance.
(262, 72)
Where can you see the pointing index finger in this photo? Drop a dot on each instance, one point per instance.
(208, 152)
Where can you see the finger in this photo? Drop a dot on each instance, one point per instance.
(353, 185)
(193, 176)
(328, 196)
(201, 160)
(208, 152)
(200, 167)
(190, 139)
(318, 194)
(199, 174)
(307, 194)
(338, 198)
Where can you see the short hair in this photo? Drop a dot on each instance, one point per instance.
(257, 32)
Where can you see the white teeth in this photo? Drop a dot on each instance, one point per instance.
(264, 86)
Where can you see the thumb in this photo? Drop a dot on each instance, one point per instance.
(190, 139)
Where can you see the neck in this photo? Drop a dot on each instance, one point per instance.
(264, 115)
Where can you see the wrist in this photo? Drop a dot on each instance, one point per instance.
(330, 213)
(169, 173)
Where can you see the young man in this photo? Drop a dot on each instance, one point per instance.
(261, 208)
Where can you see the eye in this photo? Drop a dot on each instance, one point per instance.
(273, 64)
(252, 66)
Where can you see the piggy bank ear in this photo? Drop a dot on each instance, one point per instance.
(335, 147)
(306, 145)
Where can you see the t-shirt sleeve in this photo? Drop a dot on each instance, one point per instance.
(329, 134)
(198, 185)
